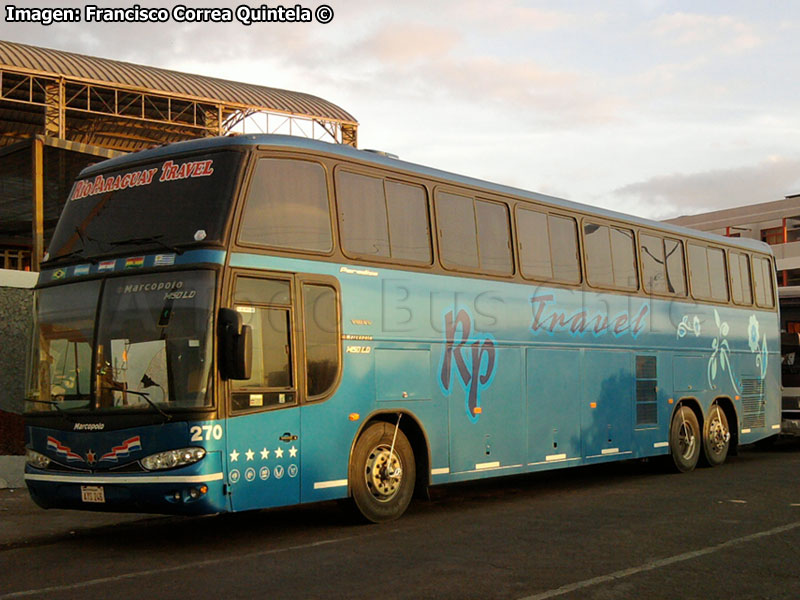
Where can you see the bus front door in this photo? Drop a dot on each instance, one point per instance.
(263, 456)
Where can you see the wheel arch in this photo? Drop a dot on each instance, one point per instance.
(414, 430)
(692, 403)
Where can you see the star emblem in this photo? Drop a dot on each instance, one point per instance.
(279, 453)
(292, 451)
(234, 455)
(264, 454)
(249, 454)
(90, 457)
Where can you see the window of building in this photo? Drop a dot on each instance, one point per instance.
(477, 244)
(610, 256)
(548, 246)
(287, 207)
(772, 236)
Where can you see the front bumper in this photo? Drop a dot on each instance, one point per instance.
(167, 492)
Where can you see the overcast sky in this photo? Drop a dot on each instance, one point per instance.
(650, 107)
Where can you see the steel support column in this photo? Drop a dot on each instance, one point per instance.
(37, 179)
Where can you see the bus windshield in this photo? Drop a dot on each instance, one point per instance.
(151, 345)
(163, 205)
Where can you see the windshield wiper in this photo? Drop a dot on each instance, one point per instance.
(144, 240)
(144, 395)
(80, 252)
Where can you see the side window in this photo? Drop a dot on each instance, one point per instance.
(362, 214)
(623, 257)
(534, 245)
(597, 248)
(473, 234)
(676, 269)
(741, 290)
(654, 278)
(494, 237)
(458, 243)
(698, 272)
(409, 222)
(718, 276)
(265, 305)
(762, 276)
(287, 206)
(383, 218)
(321, 326)
(548, 246)
(564, 247)
(707, 272)
(610, 256)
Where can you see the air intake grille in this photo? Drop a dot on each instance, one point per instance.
(753, 403)
(646, 390)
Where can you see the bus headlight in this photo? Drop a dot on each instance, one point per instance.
(40, 461)
(172, 458)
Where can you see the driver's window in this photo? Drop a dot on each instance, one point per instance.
(265, 305)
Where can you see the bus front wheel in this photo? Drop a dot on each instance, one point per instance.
(382, 473)
(716, 437)
(684, 439)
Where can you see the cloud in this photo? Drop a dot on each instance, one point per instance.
(669, 196)
(720, 33)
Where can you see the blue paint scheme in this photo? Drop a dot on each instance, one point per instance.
(545, 377)
(535, 407)
(150, 496)
(270, 479)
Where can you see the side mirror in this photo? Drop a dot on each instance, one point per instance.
(235, 345)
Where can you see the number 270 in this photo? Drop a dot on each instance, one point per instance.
(206, 432)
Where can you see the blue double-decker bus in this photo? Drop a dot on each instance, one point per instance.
(259, 321)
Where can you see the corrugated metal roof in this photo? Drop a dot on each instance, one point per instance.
(91, 69)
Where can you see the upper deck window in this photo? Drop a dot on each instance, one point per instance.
(610, 256)
(707, 273)
(741, 290)
(385, 219)
(663, 270)
(287, 206)
(473, 234)
(548, 246)
(762, 275)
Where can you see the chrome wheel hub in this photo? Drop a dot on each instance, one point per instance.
(718, 436)
(383, 473)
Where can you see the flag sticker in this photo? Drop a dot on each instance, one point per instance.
(107, 265)
(81, 270)
(164, 260)
(136, 261)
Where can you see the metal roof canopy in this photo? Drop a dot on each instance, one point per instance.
(129, 107)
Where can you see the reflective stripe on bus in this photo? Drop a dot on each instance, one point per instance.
(89, 479)
(321, 485)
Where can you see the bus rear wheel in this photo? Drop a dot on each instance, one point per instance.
(382, 473)
(716, 437)
(684, 439)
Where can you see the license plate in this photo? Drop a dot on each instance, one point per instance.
(93, 493)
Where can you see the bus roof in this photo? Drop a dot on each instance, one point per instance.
(295, 142)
